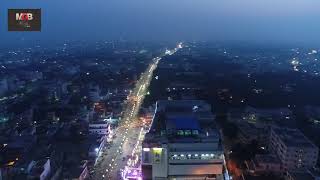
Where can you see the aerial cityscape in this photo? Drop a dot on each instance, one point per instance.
(160, 90)
(120, 110)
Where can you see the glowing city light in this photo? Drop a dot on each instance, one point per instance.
(146, 149)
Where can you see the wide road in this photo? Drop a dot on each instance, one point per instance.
(126, 137)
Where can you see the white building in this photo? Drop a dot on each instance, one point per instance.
(294, 150)
(100, 127)
(39, 169)
(182, 143)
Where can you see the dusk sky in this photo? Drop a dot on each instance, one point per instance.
(276, 21)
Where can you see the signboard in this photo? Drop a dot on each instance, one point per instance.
(157, 155)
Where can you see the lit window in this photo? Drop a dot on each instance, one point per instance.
(146, 149)
(175, 157)
(182, 156)
(195, 132)
(187, 132)
(180, 132)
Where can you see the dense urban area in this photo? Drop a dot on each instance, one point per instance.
(121, 110)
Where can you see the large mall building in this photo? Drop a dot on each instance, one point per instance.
(183, 143)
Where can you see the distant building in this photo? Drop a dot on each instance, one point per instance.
(263, 164)
(100, 127)
(3, 86)
(39, 169)
(51, 116)
(182, 143)
(54, 91)
(72, 70)
(293, 148)
(300, 175)
(249, 132)
(255, 123)
(96, 144)
(312, 113)
(32, 75)
(94, 93)
(263, 115)
(260, 117)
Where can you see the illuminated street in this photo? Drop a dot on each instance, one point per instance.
(125, 145)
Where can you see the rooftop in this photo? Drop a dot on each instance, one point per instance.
(293, 137)
(183, 121)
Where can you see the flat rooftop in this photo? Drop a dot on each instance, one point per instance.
(183, 120)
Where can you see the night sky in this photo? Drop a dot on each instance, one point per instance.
(275, 21)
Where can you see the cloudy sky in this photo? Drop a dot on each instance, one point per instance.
(276, 21)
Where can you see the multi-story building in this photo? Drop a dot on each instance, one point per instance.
(39, 169)
(302, 174)
(99, 127)
(293, 148)
(264, 163)
(182, 143)
(255, 123)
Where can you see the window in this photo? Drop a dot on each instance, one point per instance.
(189, 156)
(196, 156)
(174, 157)
(182, 156)
(203, 156)
(180, 132)
(195, 132)
(163, 132)
(187, 132)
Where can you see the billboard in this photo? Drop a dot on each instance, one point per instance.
(157, 152)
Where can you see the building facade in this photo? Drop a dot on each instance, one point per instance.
(182, 143)
(100, 128)
(293, 149)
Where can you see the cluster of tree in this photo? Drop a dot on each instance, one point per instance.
(230, 130)
(243, 152)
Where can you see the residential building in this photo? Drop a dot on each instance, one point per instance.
(39, 169)
(299, 175)
(293, 148)
(263, 164)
